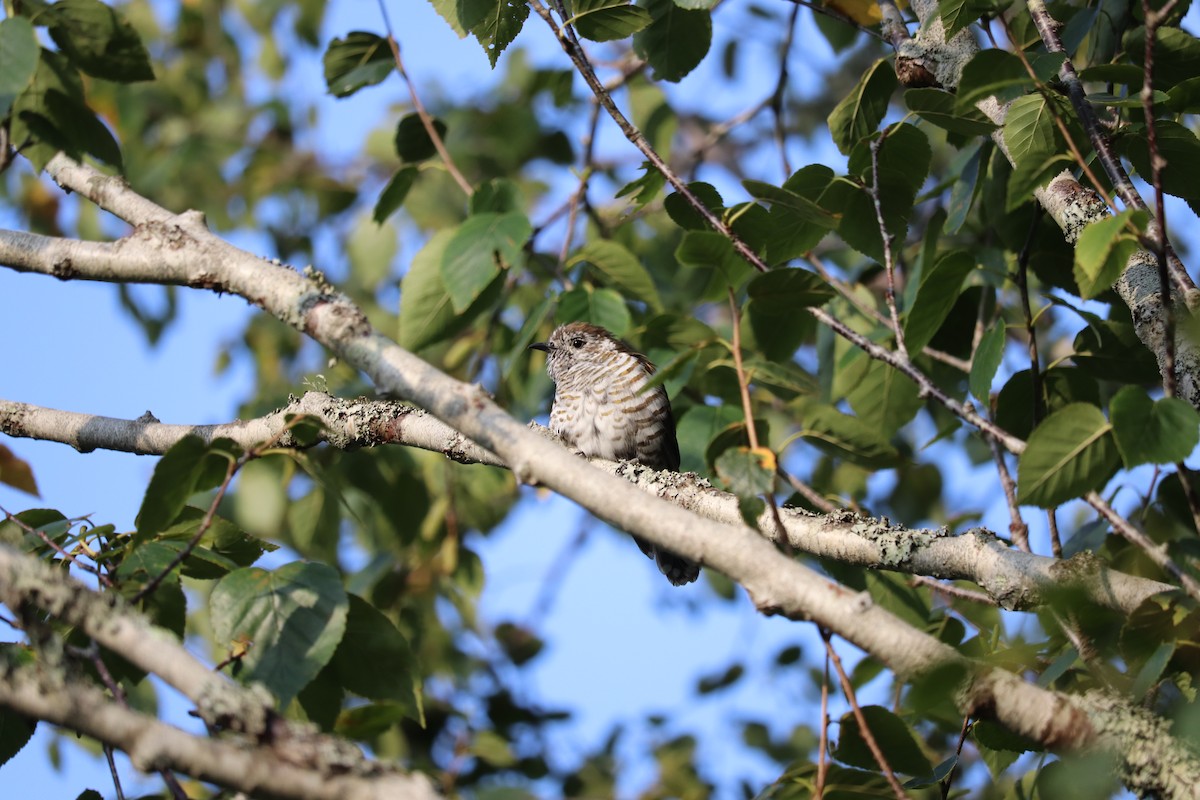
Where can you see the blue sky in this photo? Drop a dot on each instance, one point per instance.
(622, 642)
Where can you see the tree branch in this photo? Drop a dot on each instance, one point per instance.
(314, 759)
(1073, 207)
(1012, 579)
(183, 251)
(261, 771)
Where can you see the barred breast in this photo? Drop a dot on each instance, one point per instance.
(604, 410)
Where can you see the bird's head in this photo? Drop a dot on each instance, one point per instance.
(576, 345)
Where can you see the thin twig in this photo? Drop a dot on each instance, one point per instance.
(871, 312)
(962, 738)
(863, 728)
(1016, 523)
(744, 389)
(1189, 492)
(780, 93)
(833, 13)
(112, 769)
(963, 411)
(580, 193)
(1157, 163)
(823, 740)
(889, 264)
(570, 45)
(950, 590)
(1022, 280)
(39, 533)
(92, 654)
(419, 107)
(1048, 28)
(808, 493)
(1156, 552)
(152, 585)
(1055, 539)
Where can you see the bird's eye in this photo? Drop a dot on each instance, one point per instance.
(577, 342)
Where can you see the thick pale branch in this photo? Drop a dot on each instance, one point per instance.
(28, 582)
(188, 254)
(1013, 579)
(260, 771)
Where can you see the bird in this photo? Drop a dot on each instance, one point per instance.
(603, 408)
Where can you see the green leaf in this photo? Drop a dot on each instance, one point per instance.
(938, 107)
(882, 396)
(606, 20)
(991, 73)
(293, 619)
(787, 291)
(958, 14)
(1103, 250)
(174, 481)
(622, 268)
(492, 748)
(603, 307)
(711, 250)
(1071, 453)
(223, 547)
(747, 472)
(645, 188)
(426, 312)
(1184, 97)
(675, 41)
(939, 288)
(683, 214)
(721, 680)
(361, 59)
(986, 361)
(843, 436)
(375, 661)
(448, 10)
(793, 231)
(1152, 432)
(18, 59)
(1029, 130)
(1111, 350)
(394, 193)
(413, 142)
(98, 40)
(499, 195)
(495, 23)
(1176, 53)
(962, 194)
(1181, 149)
(480, 247)
(1152, 670)
(697, 427)
(15, 730)
(858, 115)
(803, 208)
(894, 738)
(368, 722)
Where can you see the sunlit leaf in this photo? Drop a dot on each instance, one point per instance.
(361, 59)
(293, 619)
(1149, 431)
(1070, 453)
(859, 114)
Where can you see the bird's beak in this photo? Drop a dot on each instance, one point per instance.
(543, 346)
